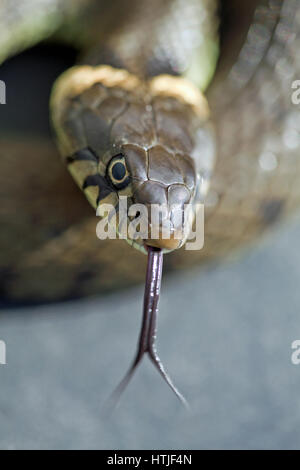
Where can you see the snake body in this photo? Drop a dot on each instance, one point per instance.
(135, 59)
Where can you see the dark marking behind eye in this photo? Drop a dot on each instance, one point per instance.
(97, 180)
(103, 192)
(81, 155)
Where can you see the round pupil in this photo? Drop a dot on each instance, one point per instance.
(118, 171)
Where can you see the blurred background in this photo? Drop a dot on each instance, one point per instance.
(225, 336)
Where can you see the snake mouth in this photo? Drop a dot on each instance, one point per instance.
(165, 245)
(166, 236)
(148, 333)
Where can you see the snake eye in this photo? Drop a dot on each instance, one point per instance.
(117, 172)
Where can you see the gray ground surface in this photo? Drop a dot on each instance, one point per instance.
(225, 335)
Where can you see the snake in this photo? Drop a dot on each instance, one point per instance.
(169, 102)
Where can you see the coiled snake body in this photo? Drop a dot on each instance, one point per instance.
(256, 127)
(130, 120)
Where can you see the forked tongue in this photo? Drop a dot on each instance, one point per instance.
(147, 339)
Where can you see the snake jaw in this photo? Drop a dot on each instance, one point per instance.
(148, 333)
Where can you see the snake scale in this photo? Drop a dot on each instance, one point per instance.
(49, 250)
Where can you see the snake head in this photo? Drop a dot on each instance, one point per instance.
(148, 141)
